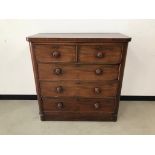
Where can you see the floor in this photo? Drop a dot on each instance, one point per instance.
(21, 117)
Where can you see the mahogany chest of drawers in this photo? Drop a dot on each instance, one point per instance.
(78, 76)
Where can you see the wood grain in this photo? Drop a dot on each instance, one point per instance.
(44, 53)
(77, 72)
(82, 89)
(78, 76)
(73, 104)
(111, 53)
(78, 37)
(79, 116)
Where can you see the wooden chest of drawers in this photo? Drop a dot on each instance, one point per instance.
(78, 76)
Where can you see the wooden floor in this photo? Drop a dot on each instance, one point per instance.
(21, 117)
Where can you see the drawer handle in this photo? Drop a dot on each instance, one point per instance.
(58, 71)
(97, 90)
(98, 71)
(96, 105)
(60, 105)
(59, 89)
(56, 54)
(99, 55)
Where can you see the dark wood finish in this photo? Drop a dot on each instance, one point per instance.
(77, 72)
(78, 37)
(55, 53)
(106, 54)
(78, 116)
(36, 76)
(122, 66)
(82, 89)
(81, 104)
(78, 76)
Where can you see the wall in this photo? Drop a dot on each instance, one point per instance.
(16, 75)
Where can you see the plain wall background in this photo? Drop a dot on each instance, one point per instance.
(16, 74)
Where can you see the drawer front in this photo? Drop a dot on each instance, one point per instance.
(81, 105)
(83, 89)
(106, 54)
(55, 53)
(78, 72)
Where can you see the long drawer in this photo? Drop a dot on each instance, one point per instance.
(77, 72)
(81, 105)
(78, 88)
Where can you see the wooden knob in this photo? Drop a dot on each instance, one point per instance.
(96, 105)
(56, 54)
(98, 71)
(58, 71)
(60, 105)
(97, 90)
(59, 89)
(99, 55)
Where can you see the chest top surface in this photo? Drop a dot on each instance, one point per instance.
(78, 37)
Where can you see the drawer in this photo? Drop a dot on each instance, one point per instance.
(81, 105)
(106, 54)
(54, 53)
(78, 72)
(83, 89)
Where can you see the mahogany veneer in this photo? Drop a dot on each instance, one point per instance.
(78, 76)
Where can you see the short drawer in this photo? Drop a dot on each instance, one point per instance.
(54, 53)
(106, 54)
(78, 72)
(80, 105)
(82, 89)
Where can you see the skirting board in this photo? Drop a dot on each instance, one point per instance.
(34, 97)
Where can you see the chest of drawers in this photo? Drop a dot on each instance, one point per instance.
(78, 76)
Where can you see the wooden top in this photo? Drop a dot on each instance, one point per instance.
(79, 37)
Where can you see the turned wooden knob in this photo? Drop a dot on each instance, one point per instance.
(56, 54)
(59, 89)
(58, 71)
(98, 71)
(99, 55)
(97, 90)
(96, 105)
(60, 105)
